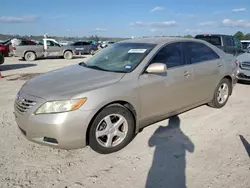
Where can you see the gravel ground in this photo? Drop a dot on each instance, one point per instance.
(205, 150)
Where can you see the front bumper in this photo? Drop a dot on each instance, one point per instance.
(243, 75)
(62, 130)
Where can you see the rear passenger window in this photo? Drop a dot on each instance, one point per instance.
(86, 43)
(229, 41)
(199, 52)
(171, 55)
(77, 44)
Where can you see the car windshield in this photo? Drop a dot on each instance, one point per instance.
(120, 57)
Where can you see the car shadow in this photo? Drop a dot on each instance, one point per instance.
(245, 144)
(15, 66)
(169, 162)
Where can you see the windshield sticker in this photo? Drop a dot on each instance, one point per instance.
(138, 51)
(128, 67)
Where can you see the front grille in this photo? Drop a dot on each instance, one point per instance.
(245, 65)
(23, 105)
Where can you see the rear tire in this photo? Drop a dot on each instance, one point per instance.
(68, 55)
(92, 52)
(30, 56)
(221, 94)
(120, 134)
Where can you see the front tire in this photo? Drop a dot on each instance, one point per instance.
(68, 55)
(30, 56)
(112, 129)
(221, 94)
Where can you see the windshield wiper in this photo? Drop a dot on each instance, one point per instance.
(95, 67)
(99, 68)
(92, 66)
(83, 64)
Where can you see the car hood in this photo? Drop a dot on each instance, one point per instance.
(69, 81)
(244, 57)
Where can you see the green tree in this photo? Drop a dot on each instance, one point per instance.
(188, 36)
(239, 35)
(247, 36)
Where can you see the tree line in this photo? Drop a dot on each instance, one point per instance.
(241, 36)
(64, 38)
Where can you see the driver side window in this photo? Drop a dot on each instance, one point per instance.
(171, 55)
(50, 43)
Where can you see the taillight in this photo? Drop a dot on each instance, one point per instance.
(236, 63)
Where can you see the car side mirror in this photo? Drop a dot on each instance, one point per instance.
(157, 68)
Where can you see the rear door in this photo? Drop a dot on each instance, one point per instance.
(207, 66)
(87, 46)
(78, 48)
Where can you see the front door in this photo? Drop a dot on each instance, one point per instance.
(53, 49)
(161, 94)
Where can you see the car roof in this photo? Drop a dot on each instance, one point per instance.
(213, 35)
(159, 40)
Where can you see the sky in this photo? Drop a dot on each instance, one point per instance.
(117, 18)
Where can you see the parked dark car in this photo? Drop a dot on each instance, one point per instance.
(1, 58)
(84, 47)
(4, 47)
(227, 43)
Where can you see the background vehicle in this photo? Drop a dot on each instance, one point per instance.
(65, 43)
(84, 47)
(244, 66)
(105, 101)
(5, 47)
(1, 58)
(245, 44)
(227, 43)
(47, 48)
(106, 44)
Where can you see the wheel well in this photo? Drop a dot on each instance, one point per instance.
(67, 51)
(231, 81)
(29, 51)
(125, 104)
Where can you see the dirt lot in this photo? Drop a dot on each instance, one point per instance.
(205, 150)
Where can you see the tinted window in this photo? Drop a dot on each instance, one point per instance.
(199, 52)
(229, 41)
(26, 42)
(237, 43)
(171, 55)
(215, 40)
(77, 44)
(50, 43)
(86, 43)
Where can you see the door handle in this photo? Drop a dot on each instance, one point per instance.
(219, 65)
(186, 74)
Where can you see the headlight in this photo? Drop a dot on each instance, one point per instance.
(60, 106)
